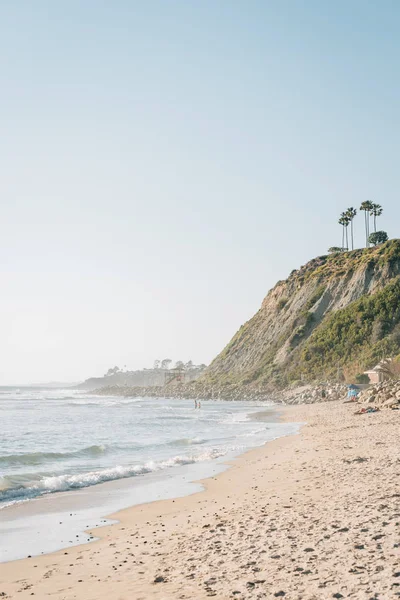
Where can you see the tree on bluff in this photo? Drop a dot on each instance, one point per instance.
(113, 371)
(378, 237)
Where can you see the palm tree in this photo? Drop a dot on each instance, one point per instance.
(351, 213)
(345, 220)
(342, 222)
(367, 208)
(376, 211)
(346, 226)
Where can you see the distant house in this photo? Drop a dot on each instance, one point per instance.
(378, 374)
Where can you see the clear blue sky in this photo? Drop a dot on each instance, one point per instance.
(163, 163)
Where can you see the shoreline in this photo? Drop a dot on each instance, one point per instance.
(309, 515)
(66, 516)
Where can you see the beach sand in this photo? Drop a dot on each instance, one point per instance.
(309, 516)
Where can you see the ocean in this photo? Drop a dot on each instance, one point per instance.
(63, 441)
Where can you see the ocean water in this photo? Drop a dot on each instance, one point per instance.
(63, 441)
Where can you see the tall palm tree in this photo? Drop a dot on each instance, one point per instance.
(344, 220)
(351, 213)
(367, 208)
(376, 211)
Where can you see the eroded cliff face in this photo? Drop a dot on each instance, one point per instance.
(272, 348)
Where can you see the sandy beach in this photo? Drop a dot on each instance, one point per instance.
(309, 516)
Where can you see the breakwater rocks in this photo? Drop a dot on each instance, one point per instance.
(191, 391)
(312, 394)
(382, 395)
(198, 391)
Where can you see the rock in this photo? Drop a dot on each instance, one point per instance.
(250, 585)
(382, 395)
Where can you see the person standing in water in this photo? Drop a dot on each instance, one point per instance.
(195, 403)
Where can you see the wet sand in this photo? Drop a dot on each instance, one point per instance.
(309, 516)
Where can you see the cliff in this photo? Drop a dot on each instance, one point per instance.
(331, 319)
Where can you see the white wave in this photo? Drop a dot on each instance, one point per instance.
(101, 401)
(62, 483)
(236, 418)
(187, 442)
(253, 432)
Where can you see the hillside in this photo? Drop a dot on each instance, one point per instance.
(334, 317)
(144, 378)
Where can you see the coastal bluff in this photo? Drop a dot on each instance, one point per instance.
(330, 320)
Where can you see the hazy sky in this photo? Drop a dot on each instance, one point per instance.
(164, 163)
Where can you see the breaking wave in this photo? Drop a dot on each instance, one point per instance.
(14, 489)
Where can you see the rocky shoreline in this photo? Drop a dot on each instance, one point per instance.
(382, 395)
(385, 394)
(189, 391)
(199, 391)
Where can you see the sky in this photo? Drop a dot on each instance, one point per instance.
(164, 163)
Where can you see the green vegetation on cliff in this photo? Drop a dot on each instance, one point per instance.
(359, 335)
(336, 316)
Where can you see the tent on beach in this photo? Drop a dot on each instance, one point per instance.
(352, 391)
